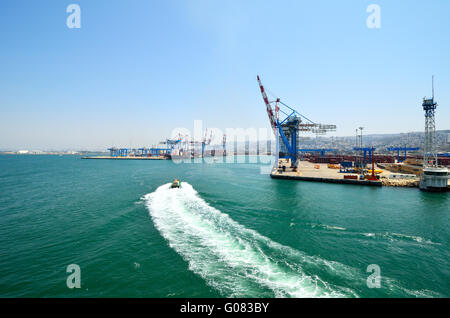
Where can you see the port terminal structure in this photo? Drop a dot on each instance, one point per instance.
(404, 149)
(179, 147)
(322, 151)
(365, 150)
(286, 124)
(135, 154)
(434, 177)
(153, 153)
(140, 152)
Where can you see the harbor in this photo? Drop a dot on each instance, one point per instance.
(288, 124)
(127, 157)
(392, 165)
(307, 171)
(215, 157)
(329, 173)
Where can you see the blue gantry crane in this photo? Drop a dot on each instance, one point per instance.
(286, 124)
(206, 142)
(118, 152)
(322, 151)
(405, 149)
(140, 152)
(365, 150)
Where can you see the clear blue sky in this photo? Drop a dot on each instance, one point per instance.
(137, 69)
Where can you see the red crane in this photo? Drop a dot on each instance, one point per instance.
(272, 119)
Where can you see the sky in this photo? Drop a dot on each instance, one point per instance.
(136, 70)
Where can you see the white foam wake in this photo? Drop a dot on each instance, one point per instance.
(399, 236)
(237, 261)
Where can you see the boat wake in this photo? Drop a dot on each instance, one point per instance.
(235, 260)
(399, 236)
(240, 262)
(328, 227)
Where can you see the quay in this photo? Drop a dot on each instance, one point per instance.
(135, 154)
(329, 180)
(127, 158)
(308, 171)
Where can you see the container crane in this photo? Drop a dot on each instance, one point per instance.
(224, 143)
(206, 142)
(286, 124)
(405, 149)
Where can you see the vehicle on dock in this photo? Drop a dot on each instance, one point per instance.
(176, 184)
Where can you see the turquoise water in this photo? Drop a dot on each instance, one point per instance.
(230, 231)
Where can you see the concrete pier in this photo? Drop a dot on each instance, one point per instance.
(329, 180)
(308, 171)
(127, 158)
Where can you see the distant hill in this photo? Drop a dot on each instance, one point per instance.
(380, 141)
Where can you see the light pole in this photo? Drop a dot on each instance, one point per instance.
(361, 146)
(361, 129)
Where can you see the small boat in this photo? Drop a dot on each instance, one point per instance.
(176, 184)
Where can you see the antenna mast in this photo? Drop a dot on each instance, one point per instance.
(432, 87)
(429, 106)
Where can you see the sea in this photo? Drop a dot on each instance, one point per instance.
(229, 231)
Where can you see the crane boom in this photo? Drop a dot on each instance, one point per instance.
(272, 119)
(287, 127)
